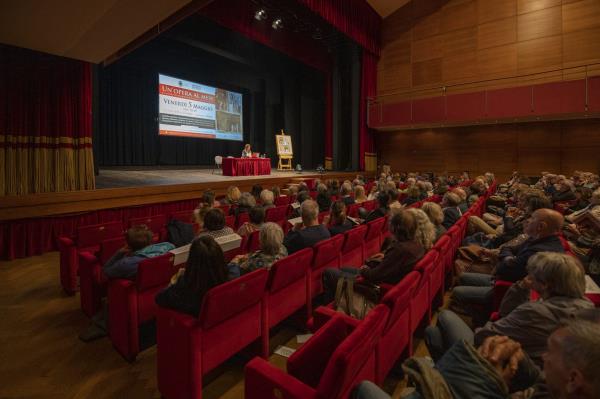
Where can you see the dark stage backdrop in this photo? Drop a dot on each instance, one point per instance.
(279, 92)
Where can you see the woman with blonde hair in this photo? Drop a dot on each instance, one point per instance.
(436, 216)
(425, 234)
(359, 194)
(233, 196)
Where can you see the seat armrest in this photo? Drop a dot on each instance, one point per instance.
(323, 314)
(92, 283)
(263, 381)
(123, 318)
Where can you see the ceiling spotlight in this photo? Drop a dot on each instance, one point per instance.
(260, 15)
(277, 24)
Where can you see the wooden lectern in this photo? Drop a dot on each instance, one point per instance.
(284, 151)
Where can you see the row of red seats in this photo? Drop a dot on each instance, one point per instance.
(345, 351)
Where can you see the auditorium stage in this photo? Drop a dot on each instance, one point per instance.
(157, 176)
(126, 187)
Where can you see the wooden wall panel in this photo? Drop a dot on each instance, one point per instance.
(542, 23)
(483, 44)
(560, 146)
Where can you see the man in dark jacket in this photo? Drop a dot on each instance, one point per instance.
(307, 233)
(542, 228)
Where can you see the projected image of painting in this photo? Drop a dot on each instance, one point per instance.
(229, 111)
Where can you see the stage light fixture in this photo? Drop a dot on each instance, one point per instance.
(260, 15)
(317, 35)
(277, 24)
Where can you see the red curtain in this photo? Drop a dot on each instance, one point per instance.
(355, 18)
(45, 123)
(328, 123)
(368, 88)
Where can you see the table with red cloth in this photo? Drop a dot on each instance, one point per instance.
(246, 166)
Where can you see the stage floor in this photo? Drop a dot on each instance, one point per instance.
(136, 177)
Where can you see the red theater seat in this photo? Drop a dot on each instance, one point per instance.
(326, 254)
(329, 365)
(230, 221)
(372, 242)
(280, 201)
(88, 238)
(276, 213)
(242, 218)
(131, 303)
(286, 290)
(183, 216)
(92, 283)
(189, 347)
(253, 243)
(352, 250)
(420, 305)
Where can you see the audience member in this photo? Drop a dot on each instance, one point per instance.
(307, 233)
(337, 222)
(383, 200)
(425, 233)
(267, 199)
(542, 228)
(214, 224)
(232, 197)
(271, 250)
(246, 203)
(436, 216)
(124, 263)
(323, 199)
(413, 194)
(256, 220)
(256, 190)
(359, 194)
(345, 191)
(205, 269)
(452, 213)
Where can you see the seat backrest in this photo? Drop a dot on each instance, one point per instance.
(253, 241)
(184, 216)
(155, 223)
(89, 236)
(353, 210)
(276, 213)
(354, 238)
(231, 298)
(230, 221)
(242, 218)
(375, 227)
(154, 272)
(289, 269)
(280, 201)
(109, 247)
(322, 216)
(327, 251)
(429, 258)
(398, 298)
(351, 355)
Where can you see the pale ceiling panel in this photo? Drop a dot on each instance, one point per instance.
(86, 30)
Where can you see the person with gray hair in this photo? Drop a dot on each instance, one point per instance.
(267, 198)
(559, 279)
(436, 216)
(271, 250)
(345, 192)
(246, 203)
(309, 232)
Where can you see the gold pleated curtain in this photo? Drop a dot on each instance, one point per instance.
(45, 164)
(45, 123)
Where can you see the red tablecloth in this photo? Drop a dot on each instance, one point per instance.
(246, 166)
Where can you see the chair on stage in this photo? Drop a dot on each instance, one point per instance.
(218, 163)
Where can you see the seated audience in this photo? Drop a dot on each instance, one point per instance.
(565, 191)
(214, 224)
(208, 200)
(267, 199)
(500, 369)
(205, 269)
(452, 213)
(373, 192)
(345, 191)
(464, 203)
(390, 267)
(256, 190)
(383, 200)
(124, 262)
(246, 203)
(323, 199)
(276, 192)
(271, 250)
(257, 218)
(436, 216)
(413, 194)
(232, 197)
(542, 229)
(336, 221)
(359, 194)
(307, 233)
(559, 279)
(302, 196)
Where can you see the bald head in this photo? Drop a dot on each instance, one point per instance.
(544, 222)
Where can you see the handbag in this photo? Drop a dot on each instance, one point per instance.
(355, 299)
(470, 260)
